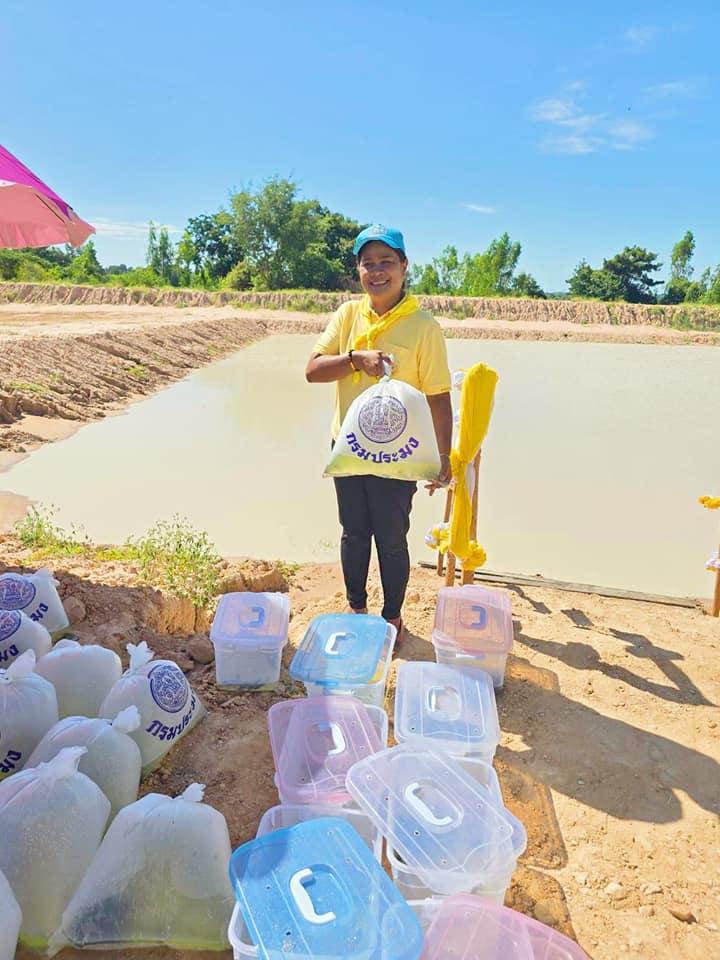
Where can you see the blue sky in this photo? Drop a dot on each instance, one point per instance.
(578, 131)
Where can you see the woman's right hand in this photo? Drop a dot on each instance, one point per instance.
(371, 362)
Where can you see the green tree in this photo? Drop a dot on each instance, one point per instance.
(682, 254)
(152, 258)
(596, 284)
(85, 267)
(425, 279)
(490, 273)
(633, 267)
(288, 242)
(524, 285)
(208, 246)
(165, 255)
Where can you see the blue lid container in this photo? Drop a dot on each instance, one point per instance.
(341, 649)
(315, 890)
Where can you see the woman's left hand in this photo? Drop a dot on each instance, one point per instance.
(443, 478)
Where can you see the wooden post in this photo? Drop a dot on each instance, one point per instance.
(469, 575)
(716, 599)
(446, 517)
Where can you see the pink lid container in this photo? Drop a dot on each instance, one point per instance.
(474, 618)
(465, 927)
(315, 741)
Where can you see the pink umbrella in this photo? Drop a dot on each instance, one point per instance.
(31, 214)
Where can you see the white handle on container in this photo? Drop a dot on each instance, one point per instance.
(332, 640)
(422, 808)
(338, 739)
(303, 901)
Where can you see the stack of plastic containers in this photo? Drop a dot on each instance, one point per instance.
(288, 815)
(447, 830)
(316, 740)
(467, 926)
(473, 628)
(249, 631)
(315, 890)
(345, 654)
(450, 708)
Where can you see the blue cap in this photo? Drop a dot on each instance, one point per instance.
(376, 231)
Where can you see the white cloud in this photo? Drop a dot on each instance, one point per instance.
(478, 208)
(639, 39)
(572, 144)
(576, 86)
(671, 89)
(554, 109)
(126, 229)
(629, 134)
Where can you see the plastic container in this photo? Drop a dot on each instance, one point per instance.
(287, 815)
(28, 708)
(449, 830)
(491, 886)
(451, 708)
(314, 743)
(467, 926)
(473, 628)
(249, 631)
(343, 653)
(315, 890)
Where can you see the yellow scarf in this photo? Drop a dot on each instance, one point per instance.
(377, 325)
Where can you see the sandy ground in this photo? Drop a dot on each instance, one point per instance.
(609, 714)
(609, 749)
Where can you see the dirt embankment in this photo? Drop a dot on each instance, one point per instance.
(609, 751)
(483, 308)
(83, 377)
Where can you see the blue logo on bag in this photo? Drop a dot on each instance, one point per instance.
(382, 419)
(10, 621)
(168, 687)
(16, 592)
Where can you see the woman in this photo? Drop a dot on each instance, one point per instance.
(387, 325)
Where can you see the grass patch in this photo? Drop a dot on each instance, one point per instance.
(138, 371)
(177, 558)
(24, 386)
(287, 569)
(171, 555)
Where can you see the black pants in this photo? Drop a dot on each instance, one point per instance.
(379, 508)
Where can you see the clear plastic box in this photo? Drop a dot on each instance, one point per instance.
(473, 628)
(346, 654)
(314, 743)
(249, 631)
(454, 709)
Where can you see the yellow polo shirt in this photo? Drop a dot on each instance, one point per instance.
(416, 342)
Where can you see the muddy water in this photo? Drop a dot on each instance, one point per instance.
(595, 458)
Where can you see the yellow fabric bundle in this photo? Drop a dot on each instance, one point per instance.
(376, 325)
(711, 503)
(476, 402)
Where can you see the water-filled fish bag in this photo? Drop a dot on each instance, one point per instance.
(28, 708)
(112, 759)
(160, 876)
(82, 674)
(387, 432)
(168, 706)
(53, 819)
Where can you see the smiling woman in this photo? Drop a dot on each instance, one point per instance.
(386, 327)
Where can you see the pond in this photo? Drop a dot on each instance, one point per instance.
(591, 469)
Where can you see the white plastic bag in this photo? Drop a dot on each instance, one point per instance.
(28, 708)
(82, 676)
(36, 595)
(52, 821)
(10, 920)
(168, 706)
(19, 633)
(159, 877)
(387, 432)
(112, 759)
